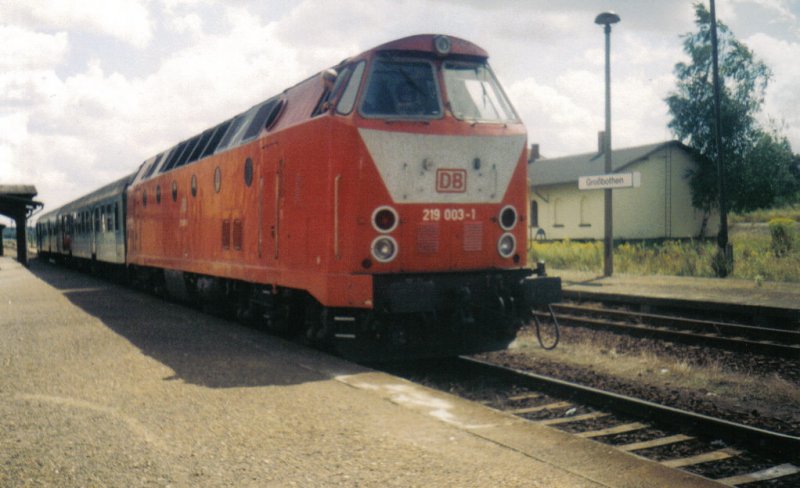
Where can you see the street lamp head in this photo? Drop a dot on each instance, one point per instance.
(606, 18)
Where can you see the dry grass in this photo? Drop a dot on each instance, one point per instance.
(609, 354)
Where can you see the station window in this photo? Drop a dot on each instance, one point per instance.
(557, 213)
(174, 191)
(144, 198)
(584, 210)
(158, 194)
(194, 185)
(534, 213)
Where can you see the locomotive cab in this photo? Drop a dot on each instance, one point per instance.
(439, 191)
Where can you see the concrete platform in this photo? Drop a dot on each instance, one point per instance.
(105, 386)
(768, 300)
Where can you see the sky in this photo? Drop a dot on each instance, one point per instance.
(90, 89)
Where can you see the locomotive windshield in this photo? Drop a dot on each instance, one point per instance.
(475, 95)
(403, 89)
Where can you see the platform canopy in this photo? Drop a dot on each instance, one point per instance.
(16, 201)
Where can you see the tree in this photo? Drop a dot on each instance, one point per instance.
(757, 161)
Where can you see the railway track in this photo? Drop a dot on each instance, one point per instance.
(767, 341)
(730, 453)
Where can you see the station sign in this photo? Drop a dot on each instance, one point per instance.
(606, 182)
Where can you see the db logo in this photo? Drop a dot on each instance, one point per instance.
(451, 180)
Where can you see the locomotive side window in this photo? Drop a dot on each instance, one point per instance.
(405, 89)
(219, 131)
(248, 172)
(475, 95)
(263, 118)
(201, 144)
(348, 98)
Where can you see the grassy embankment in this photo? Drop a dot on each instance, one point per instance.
(753, 248)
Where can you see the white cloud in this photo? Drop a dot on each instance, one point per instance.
(86, 92)
(24, 49)
(783, 98)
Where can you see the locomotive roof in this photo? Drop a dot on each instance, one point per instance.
(304, 96)
(426, 43)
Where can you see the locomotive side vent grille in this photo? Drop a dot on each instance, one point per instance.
(473, 236)
(226, 234)
(237, 234)
(428, 238)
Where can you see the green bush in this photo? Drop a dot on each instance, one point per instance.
(753, 257)
(782, 232)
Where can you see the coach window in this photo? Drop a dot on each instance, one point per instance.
(116, 216)
(109, 218)
(194, 185)
(217, 179)
(348, 98)
(248, 172)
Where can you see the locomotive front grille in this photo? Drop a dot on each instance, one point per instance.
(473, 236)
(428, 238)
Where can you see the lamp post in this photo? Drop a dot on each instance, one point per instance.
(606, 19)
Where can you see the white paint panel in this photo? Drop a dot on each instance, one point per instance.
(409, 165)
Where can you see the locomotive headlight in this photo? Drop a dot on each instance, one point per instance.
(384, 219)
(506, 245)
(508, 217)
(384, 249)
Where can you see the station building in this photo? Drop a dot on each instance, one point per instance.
(660, 208)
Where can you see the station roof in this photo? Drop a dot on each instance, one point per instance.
(568, 169)
(14, 198)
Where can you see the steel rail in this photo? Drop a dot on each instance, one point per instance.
(761, 440)
(739, 310)
(783, 336)
(706, 339)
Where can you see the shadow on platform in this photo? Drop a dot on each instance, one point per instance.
(201, 349)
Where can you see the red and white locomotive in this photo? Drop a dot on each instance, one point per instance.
(377, 208)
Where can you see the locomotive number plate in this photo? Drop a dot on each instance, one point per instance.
(448, 214)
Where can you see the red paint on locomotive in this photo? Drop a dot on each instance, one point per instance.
(304, 221)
